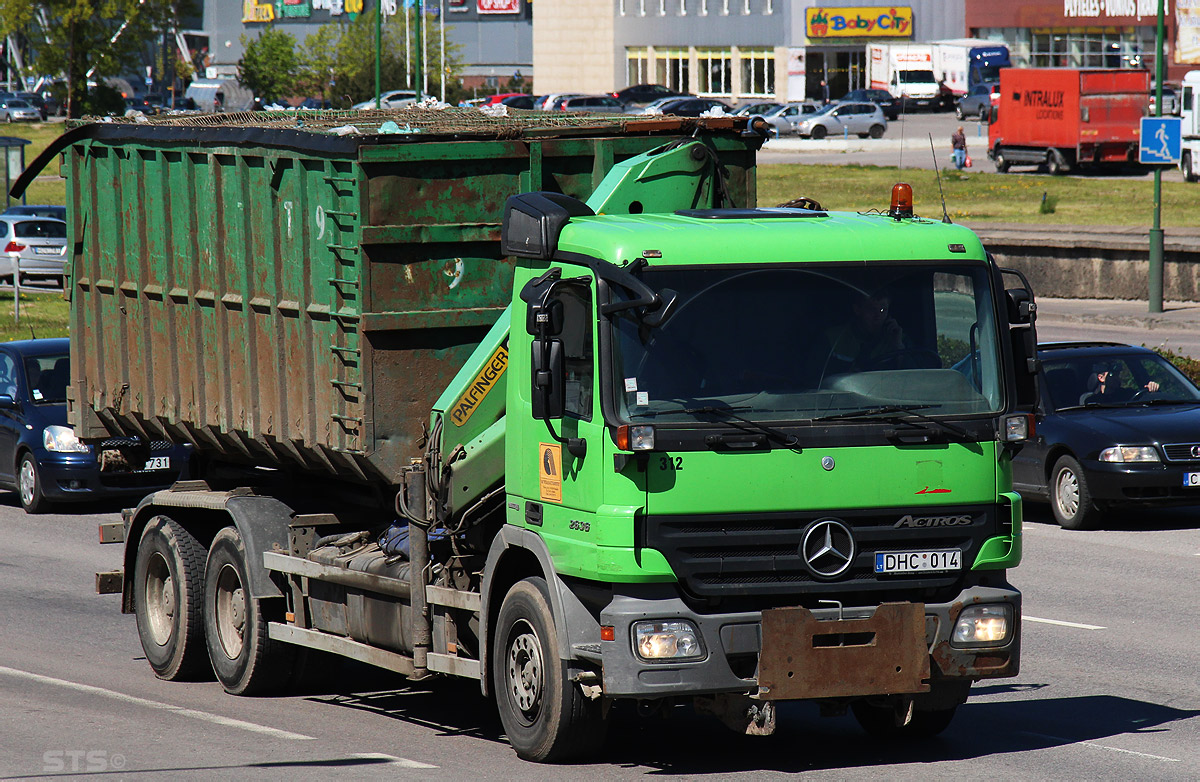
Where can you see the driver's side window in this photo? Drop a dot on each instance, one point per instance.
(577, 349)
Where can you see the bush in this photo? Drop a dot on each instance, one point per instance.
(1185, 364)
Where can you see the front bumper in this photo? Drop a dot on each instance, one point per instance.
(77, 478)
(1148, 483)
(733, 645)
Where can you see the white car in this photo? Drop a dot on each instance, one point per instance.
(392, 99)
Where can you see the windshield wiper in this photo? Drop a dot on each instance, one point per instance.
(1164, 402)
(782, 438)
(891, 413)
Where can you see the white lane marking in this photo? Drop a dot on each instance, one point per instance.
(1099, 746)
(205, 716)
(1061, 623)
(392, 760)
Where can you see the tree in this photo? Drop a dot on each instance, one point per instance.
(341, 58)
(83, 39)
(270, 67)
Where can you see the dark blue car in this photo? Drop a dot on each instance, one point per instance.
(1117, 425)
(40, 456)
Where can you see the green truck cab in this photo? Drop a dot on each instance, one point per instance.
(550, 403)
(776, 501)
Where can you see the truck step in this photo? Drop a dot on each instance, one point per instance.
(344, 647)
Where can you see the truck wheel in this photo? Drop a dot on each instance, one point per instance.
(1070, 497)
(1189, 168)
(29, 486)
(545, 716)
(1056, 164)
(958, 113)
(168, 582)
(1001, 161)
(818, 132)
(876, 131)
(245, 660)
(880, 721)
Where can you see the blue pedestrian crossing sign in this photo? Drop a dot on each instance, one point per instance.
(1162, 140)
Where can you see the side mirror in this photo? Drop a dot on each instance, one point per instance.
(7, 402)
(549, 397)
(1022, 314)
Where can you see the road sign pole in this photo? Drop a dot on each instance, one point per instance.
(1156, 234)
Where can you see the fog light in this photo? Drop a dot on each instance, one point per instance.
(676, 640)
(1129, 453)
(986, 625)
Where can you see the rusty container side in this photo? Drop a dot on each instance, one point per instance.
(304, 308)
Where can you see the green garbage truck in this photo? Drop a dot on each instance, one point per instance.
(550, 403)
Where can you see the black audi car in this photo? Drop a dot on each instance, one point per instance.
(1116, 425)
(41, 457)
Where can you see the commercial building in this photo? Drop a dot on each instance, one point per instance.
(781, 49)
(494, 38)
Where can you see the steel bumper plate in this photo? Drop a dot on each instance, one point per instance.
(803, 657)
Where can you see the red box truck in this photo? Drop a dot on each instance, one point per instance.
(1065, 118)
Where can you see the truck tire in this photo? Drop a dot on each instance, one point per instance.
(1070, 497)
(1002, 163)
(29, 486)
(245, 660)
(546, 717)
(880, 721)
(168, 584)
(1189, 168)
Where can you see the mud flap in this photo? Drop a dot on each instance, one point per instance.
(803, 657)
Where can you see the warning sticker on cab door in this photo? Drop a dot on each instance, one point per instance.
(550, 472)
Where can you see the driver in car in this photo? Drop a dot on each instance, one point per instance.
(869, 335)
(1105, 388)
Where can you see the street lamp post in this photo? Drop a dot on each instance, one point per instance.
(1156, 232)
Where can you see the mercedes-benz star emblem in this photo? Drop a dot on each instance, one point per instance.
(828, 548)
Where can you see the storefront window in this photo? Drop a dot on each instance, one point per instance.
(716, 72)
(1076, 47)
(671, 69)
(758, 72)
(636, 68)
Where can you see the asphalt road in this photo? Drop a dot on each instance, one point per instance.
(1107, 691)
(906, 145)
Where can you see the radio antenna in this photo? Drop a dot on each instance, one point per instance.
(938, 171)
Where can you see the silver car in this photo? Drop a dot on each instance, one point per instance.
(837, 119)
(786, 118)
(17, 110)
(34, 246)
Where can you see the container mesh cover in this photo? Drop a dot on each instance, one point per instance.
(416, 121)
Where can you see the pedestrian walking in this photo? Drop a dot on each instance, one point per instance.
(825, 91)
(958, 143)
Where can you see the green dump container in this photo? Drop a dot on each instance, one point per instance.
(294, 289)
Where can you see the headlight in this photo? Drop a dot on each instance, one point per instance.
(1130, 453)
(984, 625)
(675, 640)
(62, 439)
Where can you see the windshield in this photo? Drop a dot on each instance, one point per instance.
(1108, 380)
(48, 377)
(917, 77)
(798, 343)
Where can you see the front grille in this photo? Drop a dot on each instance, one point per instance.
(1181, 452)
(759, 554)
(156, 446)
